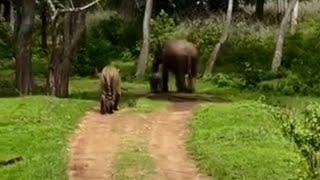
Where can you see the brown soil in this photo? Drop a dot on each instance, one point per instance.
(94, 146)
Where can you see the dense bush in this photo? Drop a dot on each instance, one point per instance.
(6, 48)
(225, 80)
(304, 130)
(108, 40)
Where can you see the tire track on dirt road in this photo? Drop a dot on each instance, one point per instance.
(94, 147)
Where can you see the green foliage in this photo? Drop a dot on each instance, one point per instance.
(304, 130)
(242, 141)
(6, 47)
(127, 69)
(291, 84)
(204, 37)
(38, 129)
(302, 54)
(163, 27)
(225, 80)
(108, 40)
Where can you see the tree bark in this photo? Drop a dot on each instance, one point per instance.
(23, 42)
(294, 17)
(44, 26)
(260, 9)
(12, 16)
(144, 54)
(276, 63)
(66, 39)
(224, 37)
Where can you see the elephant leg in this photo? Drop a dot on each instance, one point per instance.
(165, 79)
(103, 105)
(180, 82)
(116, 102)
(190, 84)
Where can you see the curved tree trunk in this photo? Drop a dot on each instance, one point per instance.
(276, 63)
(144, 54)
(224, 37)
(23, 43)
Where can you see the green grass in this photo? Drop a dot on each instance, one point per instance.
(133, 161)
(242, 141)
(37, 129)
(233, 94)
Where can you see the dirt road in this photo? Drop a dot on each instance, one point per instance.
(95, 145)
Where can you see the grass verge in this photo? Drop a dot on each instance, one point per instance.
(37, 129)
(242, 141)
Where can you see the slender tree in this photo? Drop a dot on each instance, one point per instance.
(144, 54)
(25, 11)
(68, 27)
(294, 17)
(276, 63)
(224, 37)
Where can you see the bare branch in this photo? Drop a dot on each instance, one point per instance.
(71, 3)
(53, 8)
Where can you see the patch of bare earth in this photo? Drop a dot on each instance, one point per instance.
(167, 144)
(95, 145)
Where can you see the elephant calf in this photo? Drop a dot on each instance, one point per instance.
(110, 81)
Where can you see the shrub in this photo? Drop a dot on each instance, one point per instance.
(107, 40)
(304, 130)
(127, 69)
(225, 80)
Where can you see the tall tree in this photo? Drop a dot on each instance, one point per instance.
(276, 63)
(294, 17)
(68, 27)
(25, 11)
(144, 53)
(260, 9)
(44, 25)
(224, 37)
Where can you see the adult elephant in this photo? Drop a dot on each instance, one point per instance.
(179, 57)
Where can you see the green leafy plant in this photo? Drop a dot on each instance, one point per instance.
(304, 130)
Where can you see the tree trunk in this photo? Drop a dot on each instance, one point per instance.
(294, 17)
(144, 54)
(6, 12)
(12, 16)
(224, 37)
(23, 43)
(260, 9)
(276, 63)
(66, 39)
(44, 25)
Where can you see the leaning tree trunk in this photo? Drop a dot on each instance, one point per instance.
(276, 63)
(294, 17)
(260, 9)
(23, 42)
(144, 54)
(224, 37)
(66, 39)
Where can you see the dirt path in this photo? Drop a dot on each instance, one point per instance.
(95, 145)
(167, 144)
